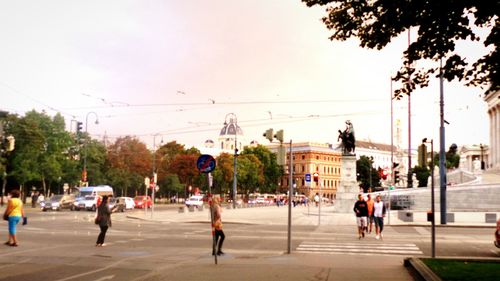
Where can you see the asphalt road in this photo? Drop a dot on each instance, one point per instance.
(60, 246)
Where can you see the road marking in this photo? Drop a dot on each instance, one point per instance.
(105, 278)
(360, 248)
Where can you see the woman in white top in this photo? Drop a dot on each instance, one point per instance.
(379, 214)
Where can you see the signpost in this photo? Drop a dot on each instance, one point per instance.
(206, 164)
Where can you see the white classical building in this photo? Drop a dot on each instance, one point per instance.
(230, 136)
(493, 100)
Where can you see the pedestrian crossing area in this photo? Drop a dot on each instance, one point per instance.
(360, 248)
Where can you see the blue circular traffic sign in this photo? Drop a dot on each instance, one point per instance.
(205, 163)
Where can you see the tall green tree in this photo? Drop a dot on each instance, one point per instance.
(440, 25)
(364, 168)
(250, 173)
(41, 153)
(272, 172)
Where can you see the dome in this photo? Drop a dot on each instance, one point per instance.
(209, 143)
(231, 128)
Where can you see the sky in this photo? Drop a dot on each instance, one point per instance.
(165, 70)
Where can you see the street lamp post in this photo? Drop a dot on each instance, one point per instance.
(234, 120)
(86, 144)
(433, 229)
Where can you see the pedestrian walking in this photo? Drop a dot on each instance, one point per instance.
(316, 199)
(379, 214)
(13, 214)
(369, 204)
(219, 233)
(361, 210)
(103, 219)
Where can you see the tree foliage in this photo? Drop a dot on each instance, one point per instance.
(364, 167)
(272, 172)
(129, 161)
(440, 25)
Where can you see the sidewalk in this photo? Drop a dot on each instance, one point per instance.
(301, 215)
(261, 265)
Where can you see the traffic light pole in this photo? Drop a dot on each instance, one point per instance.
(290, 197)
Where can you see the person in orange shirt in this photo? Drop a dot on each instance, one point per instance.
(369, 204)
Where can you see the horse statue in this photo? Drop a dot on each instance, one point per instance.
(348, 140)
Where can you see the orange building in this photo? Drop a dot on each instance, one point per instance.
(310, 158)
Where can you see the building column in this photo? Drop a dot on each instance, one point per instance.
(497, 136)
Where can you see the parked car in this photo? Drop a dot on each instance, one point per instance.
(497, 234)
(118, 204)
(195, 200)
(142, 202)
(59, 202)
(129, 202)
(88, 202)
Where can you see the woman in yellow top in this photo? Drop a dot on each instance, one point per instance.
(15, 212)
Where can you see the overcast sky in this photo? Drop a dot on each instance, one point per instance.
(177, 68)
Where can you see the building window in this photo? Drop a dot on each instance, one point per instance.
(303, 157)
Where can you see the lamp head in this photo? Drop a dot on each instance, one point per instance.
(424, 140)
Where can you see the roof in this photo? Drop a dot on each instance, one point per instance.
(374, 146)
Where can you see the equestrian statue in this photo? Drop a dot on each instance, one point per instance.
(348, 143)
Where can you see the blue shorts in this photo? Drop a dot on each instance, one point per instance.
(13, 221)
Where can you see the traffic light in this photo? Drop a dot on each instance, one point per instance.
(396, 176)
(316, 177)
(280, 136)
(79, 128)
(422, 155)
(11, 143)
(269, 134)
(382, 173)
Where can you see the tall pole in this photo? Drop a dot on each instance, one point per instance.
(154, 178)
(433, 211)
(392, 157)
(442, 159)
(86, 144)
(235, 172)
(410, 174)
(290, 197)
(432, 202)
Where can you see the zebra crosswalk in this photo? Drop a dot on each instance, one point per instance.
(359, 248)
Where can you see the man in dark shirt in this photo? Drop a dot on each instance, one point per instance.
(361, 210)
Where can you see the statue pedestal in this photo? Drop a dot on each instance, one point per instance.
(348, 189)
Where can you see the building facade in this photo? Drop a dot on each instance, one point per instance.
(310, 158)
(493, 100)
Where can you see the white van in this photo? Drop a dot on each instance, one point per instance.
(100, 190)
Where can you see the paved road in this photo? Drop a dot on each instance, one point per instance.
(60, 246)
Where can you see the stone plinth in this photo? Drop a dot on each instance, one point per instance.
(348, 189)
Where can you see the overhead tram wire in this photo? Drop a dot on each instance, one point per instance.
(225, 103)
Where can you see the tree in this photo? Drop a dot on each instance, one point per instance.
(452, 157)
(272, 172)
(422, 174)
(250, 173)
(42, 151)
(440, 24)
(128, 158)
(184, 166)
(223, 173)
(364, 167)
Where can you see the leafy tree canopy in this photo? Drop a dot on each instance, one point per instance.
(440, 25)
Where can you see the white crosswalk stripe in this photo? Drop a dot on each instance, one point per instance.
(359, 248)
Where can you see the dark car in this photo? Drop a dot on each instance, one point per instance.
(59, 202)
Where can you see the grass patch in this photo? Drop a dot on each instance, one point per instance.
(449, 270)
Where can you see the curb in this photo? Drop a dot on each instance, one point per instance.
(421, 269)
